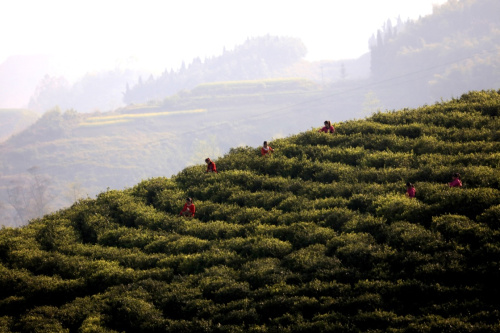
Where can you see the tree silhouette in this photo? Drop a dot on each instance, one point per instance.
(30, 196)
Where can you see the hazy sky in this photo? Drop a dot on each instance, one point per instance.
(160, 34)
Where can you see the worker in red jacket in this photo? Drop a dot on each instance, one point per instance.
(189, 209)
(328, 128)
(456, 182)
(266, 150)
(410, 190)
(210, 165)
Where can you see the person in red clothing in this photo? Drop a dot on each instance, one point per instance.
(456, 182)
(189, 209)
(266, 150)
(210, 165)
(328, 128)
(410, 190)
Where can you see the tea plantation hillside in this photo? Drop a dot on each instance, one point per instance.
(320, 237)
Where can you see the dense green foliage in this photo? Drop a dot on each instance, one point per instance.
(318, 238)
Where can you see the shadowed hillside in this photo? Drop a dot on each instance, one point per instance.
(317, 238)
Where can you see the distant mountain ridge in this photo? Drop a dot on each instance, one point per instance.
(440, 56)
(261, 58)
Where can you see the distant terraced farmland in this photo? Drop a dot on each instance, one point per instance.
(124, 118)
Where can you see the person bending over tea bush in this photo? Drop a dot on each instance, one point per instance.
(189, 209)
(266, 150)
(410, 190)
(456, 182)
(210, 165)
(328, 128)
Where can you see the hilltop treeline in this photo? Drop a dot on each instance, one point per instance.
(439, 56)
(257, 58)
(318, 238)
(442, 55)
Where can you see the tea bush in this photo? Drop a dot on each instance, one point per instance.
(264, 271)
(214, 230)
(491, 217)
(397, 207)
(461, 229)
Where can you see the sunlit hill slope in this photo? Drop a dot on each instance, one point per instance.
(83, 153)
(318, 238)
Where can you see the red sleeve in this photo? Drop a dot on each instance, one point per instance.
(183, 209)
(211, 167)
(193, 210)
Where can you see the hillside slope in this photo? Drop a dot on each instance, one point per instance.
(318, 238)
(93, 152)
